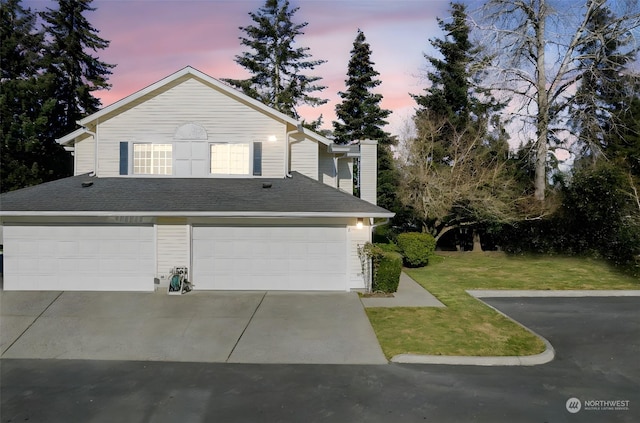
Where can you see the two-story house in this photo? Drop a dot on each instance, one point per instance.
(190, 172)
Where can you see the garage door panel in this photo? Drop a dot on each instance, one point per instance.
(269, 258)
(89, 257)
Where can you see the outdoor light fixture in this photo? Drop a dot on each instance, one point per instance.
(360, 223)
(272, 138)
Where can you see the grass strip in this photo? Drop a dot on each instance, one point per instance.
(467, 327)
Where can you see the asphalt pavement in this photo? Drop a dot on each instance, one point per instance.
(597, 343)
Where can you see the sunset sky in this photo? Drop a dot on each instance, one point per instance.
(151, 39)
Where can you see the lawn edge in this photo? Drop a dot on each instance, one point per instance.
(544, 357)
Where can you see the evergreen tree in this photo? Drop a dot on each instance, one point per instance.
(24, 104)
(603, 92)
(622, 145)
(456, 173)
(447, 99)
(275, 64)
(77, 73)
(359, 115)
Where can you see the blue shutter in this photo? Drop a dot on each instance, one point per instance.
(124, 158)
(257, 159)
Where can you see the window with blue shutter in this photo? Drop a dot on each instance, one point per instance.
(257, 159)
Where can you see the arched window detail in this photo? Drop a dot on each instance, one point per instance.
(191, 131)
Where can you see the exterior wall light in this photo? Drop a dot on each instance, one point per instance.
(360, 223)
(272, 138)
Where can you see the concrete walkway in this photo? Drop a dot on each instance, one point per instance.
(409, 294)
(238, 327)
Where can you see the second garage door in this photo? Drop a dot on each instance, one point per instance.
(270, 258)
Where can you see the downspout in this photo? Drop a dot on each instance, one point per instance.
(287, 145)
(95, 138)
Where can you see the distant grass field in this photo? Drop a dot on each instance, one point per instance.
(467, 327)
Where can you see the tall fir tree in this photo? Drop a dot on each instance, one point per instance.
(448, 96)
(606, 85)
(455, 100)
(360, 115)
(455, 172)
(78, 73)
(623, 144)
(276, 65)
(24, 101)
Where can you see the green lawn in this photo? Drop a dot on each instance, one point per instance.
(467, 326)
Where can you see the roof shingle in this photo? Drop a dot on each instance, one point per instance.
(215, 196)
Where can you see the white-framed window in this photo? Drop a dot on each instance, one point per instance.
(230, 159)
(152, 159)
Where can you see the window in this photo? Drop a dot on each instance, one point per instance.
(152, 159)
(230, 159)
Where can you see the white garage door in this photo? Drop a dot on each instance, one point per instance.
(79, 258)
(270, 258)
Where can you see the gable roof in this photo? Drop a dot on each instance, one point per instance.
(83, 195)
(187, 72)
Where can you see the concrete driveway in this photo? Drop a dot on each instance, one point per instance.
(235, 327)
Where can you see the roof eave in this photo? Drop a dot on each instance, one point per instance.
(193, 214)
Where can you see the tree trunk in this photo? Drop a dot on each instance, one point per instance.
(542, 128)
(477, 246)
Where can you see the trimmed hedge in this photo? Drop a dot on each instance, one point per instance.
(387, 274)
(416, 248)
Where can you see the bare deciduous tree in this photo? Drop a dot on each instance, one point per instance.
(541, 58)
(472, 187)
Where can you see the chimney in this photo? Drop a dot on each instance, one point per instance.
(368, 169)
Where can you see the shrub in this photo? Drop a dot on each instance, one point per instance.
(387, 273)
(416, 248)
(390, 247)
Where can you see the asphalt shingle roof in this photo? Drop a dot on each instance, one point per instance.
(298, 194)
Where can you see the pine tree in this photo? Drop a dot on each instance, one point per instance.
(24, 104)
(277, 67)
(359, 115)
(77, 73)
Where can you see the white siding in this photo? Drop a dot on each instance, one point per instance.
(357, 238)
(225, 119)
(173, 246)
(84, 156)
(326, 167)
(345, 175)
(368, 170)
(304, 157)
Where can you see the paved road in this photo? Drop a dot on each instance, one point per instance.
(597, 342)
